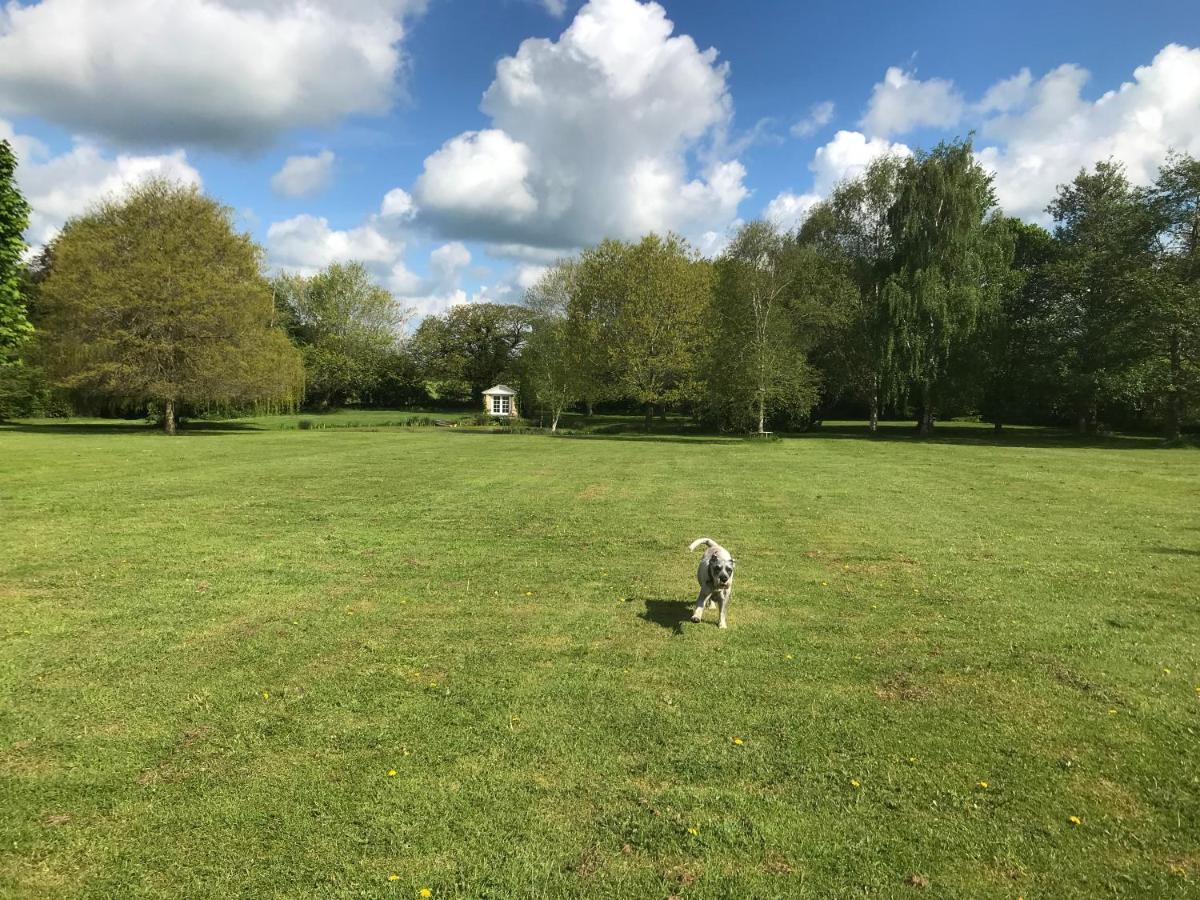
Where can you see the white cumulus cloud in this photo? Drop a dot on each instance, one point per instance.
(221, 73)
(1048, 131)
(304, 176)
(902, 102)
(58, 187)
(591, 136)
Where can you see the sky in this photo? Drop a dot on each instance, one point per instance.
(458, 147)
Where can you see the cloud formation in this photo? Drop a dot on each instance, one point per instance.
(304, 176)
(819, 115)
(902, 102)
(1046, 131)
(591, 136)
(228, 74)
(58, 187)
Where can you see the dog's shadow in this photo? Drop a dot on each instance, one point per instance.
(668, 613)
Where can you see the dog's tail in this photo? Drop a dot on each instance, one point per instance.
(698, 541)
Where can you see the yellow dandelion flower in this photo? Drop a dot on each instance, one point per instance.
(1075, 820)
(983, 785)
(912, 759)
(266, 695)
(424, 892)
(824, 584)
(693, 831)
(855, 783)
(391, 773)
(1166, 671)
(393, 877)
(738, 741)
(529, 593)
(1112, 712)
(789, 656)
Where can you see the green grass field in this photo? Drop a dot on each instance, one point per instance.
(250, 661)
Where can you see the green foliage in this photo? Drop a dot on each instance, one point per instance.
(851, 228)
(1174, 201)
(767, 289)
(14, 219)
(643, 306)
(348, 329)
(1104, 287)
(944, 272)
(156, 299)
(1012, 359)
(471, 347)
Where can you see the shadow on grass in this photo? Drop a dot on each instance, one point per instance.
(124, 427)
(1175, 551)
(670, 614)
(1036, 437)
(696, 437)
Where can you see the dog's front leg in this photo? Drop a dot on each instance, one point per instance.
(723, 596)
(701, 601)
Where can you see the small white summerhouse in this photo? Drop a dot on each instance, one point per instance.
(500, 400)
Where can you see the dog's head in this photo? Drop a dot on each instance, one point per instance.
(721, 571)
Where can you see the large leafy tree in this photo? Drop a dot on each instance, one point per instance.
(348, 329)
(945, 270)
(14, 219)
(474, 345)
(646, 304)
(1104, 284)
(1012, 358)
(763, 316)
(156, 299)
(1175, 203)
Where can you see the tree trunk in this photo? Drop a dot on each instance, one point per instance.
(998, 425)
(588, 406)
(554, 422)
(1174, 401)
(925, 421)
(762, 413)
(649, 416)
(169, 417)
(873, 404)
(1081, 423)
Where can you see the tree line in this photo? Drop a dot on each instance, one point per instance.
(906, 293)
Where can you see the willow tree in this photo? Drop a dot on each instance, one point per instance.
(155, 299)
(944, 269)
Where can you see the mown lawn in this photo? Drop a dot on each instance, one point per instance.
(359, 663)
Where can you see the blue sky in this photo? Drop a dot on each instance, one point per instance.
(618, 120)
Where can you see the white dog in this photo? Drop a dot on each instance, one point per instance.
(715, 575)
